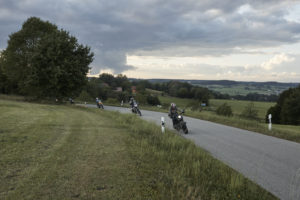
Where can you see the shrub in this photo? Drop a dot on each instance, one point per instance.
(112, 101)
(250, 112)
(140, 98)
(275, 112)
(194, 105)
(84, 96)
(225, 110)
(153, 100)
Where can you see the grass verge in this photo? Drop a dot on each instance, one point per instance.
(66, 152)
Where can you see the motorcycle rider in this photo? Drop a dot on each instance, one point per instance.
(71, 100)
(98, 101)
(132, 102)
(173, 113)
(134, 106)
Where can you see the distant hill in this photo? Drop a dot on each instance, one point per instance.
(234, 87)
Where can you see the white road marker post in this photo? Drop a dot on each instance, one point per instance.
(270, 122)
(162, 124)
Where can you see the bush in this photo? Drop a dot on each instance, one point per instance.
(112, 101)
(194, 105)
(140, 98)
(84, 96)
(153, 100)
(275, 112)
(225, 110)
(250, 112)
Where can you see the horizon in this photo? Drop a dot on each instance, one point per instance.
(206, 40)
(97, 76)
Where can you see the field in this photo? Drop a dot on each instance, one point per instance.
(236, 105)
(246, 88)
(70, 152)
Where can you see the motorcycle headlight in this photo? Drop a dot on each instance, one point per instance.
(179, 116)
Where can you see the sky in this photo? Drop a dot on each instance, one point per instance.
(244, 40)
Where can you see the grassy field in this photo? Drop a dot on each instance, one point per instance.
(238, 106)
(68, 152)
(244, 89)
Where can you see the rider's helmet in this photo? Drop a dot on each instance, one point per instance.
(173, 105)
(97, 98)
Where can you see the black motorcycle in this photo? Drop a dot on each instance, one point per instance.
(135, 109)
(179, 123)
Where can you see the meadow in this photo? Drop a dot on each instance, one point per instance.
(72, 152)
(245, 88)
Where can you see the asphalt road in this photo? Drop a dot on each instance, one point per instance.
(271, 162)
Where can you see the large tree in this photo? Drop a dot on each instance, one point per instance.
(43, 61)
(2, 77)
(287, 108)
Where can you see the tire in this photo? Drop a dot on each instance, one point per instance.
(139, 112)
(186, 131)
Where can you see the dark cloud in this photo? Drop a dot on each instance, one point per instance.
(116, 28)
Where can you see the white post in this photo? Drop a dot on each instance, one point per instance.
(122, 103)
(270, 121)
(162, 124)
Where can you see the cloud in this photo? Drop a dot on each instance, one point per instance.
(115, 29)
(114, 60)
(276, 60)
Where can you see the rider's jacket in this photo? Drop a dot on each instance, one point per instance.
(172, 111)
(132, 102)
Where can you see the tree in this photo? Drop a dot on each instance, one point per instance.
(201, 94)
(287, 108)
(290, 110)
(43, 61)
(95, 89)
(183, 92)
(2, 77)
(107, 78)
(275, 112)
(225, 110)
(121, 80)
(250, 112)
(153, 100)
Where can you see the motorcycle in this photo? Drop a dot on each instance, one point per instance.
(180, 124)
(135, 109)
(100, 105)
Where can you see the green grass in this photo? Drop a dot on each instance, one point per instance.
(154, 92)
(57, 152)
(180, 102)
(68, 152)
(242, 89)
(238, 106)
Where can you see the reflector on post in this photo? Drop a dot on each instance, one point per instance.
(162, 124)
